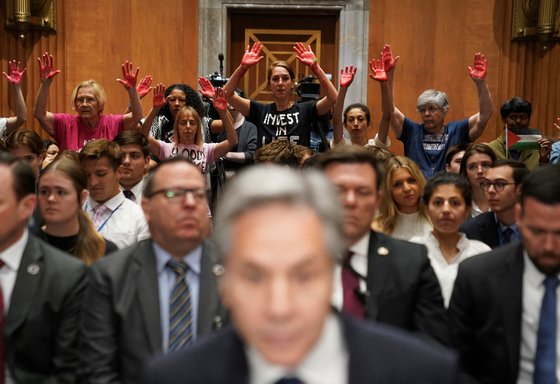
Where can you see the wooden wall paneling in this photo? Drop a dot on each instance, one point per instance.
(92, 40)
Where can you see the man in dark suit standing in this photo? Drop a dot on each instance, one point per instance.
(502, 189)
(159, 294)
(395, 282)
(504, 303)
(41, 290)
(279, 234)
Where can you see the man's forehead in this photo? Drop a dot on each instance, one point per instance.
(503, 172)
(178, 173)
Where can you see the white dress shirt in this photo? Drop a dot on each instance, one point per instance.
(409, 225)
(136, 192)
(446, 272)
(123, 223)
(326, 363)
(532, 296)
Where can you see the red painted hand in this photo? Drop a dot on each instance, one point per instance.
(305, 55)
(144, 87)
(378, 69)
(389, 62)
(129, 76)
(252, 55)
(158, 100)
(46, 67)
(347, 76)
(220, 101)
(478, 71)
(15, 73)
(206, 87)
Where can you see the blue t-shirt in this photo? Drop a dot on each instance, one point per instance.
(429, 150)
(555, 153)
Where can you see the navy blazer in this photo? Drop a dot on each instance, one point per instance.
(485, 314)
(483, 228)
(377, 354)
(402, 288)
(41, 326)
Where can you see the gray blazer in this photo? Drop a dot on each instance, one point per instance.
(121, 324)
(41, 326)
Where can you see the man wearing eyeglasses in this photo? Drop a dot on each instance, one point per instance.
(160, 294)
(516, 114)
(502, 187)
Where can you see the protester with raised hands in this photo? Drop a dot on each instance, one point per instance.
(427, 143)
(88, 97)
(282, 119)
(187, 140)
(9, 124)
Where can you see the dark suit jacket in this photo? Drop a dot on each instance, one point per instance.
(41, 327)
(483, 228)
(121, 324)
(485, 314)
(403, 289)
(377, 354)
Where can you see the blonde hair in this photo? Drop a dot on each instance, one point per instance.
(198, 137)
(97, 89)
(90, 245)
(388, 212)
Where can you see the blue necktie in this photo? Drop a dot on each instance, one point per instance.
(506, 235)
(545, 357)
(180, 308)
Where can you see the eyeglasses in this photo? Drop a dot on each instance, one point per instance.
(176, 195)
(498, 185)
(83, 100)
(431, 110)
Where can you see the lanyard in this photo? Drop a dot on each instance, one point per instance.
(108, 218)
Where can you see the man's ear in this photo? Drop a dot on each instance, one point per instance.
(26, 206)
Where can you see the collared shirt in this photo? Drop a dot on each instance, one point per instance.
(8, 273)
(123, 223)
(516, 235)
(136, 192)
(446, 272)
(326, 362)
(533, 293)
(359, 263)
(166, 281)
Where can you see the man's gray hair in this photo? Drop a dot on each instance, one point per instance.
(261, 185)
(433, 96)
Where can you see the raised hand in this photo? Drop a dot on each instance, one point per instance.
(46, 67)
(129, 77)
(389, 62)
(305, 55)
(143, 88)
(545, 146)
(158, 100)
(478, 70)
(220, 101)
(557, 123)
(378, 68)
(347, 76)
(15, 73)
(206, 87)
(252, 55)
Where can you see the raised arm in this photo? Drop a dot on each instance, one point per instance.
(307, 57)
(158, 101)
(46, 73)
(379, 74)
(478, 122)
(128, 81)
(396, 117)
(251, 57)
(346, 77)
(220, 104)
(14, 78)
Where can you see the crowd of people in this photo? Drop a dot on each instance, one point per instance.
(121, 262)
